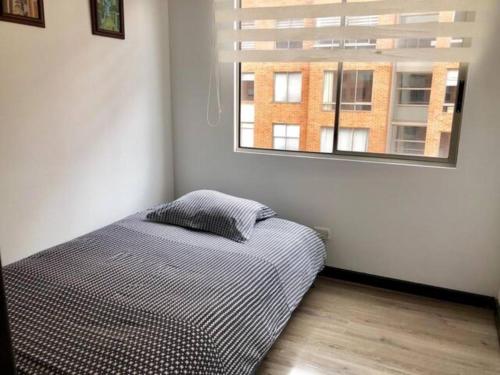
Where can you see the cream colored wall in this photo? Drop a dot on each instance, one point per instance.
(85, 135)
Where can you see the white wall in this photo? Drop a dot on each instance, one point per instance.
(85, 134)
(428, 225)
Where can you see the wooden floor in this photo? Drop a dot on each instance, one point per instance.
(344, 328)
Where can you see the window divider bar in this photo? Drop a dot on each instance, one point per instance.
(336, 123)
(340, 73)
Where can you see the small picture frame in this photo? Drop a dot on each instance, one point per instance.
(108, 18)
(26, 12)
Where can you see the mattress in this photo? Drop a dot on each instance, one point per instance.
(138, 297)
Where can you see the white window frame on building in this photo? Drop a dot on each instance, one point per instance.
(287, 133)
(286, 96)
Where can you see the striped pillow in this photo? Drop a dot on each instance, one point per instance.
(214, 212)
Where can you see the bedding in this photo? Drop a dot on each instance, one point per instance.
(215, 212)
(139, 297)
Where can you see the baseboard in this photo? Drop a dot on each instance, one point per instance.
(414, 288)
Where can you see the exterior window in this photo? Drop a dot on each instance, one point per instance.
(245, 25)
(444, 144)
(361, 21)
(451, 91)
(247, 134)
(414, 88)
(286, 137)
(329, 90)
(289, 24)
(247, 125)
(357, 88)
(327, 22)
(288, 87)
(350, 21)
(248, 87)
(350, 139)
(326, 139)
(353, 139)
(418, 18)
(409, 140)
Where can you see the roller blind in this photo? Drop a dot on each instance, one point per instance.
(340, 30)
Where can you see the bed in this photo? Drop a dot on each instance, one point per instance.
(138, 297)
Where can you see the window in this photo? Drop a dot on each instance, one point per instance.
(289, 24)
(244, 26)
(309, 85)
(357, 90)
(329, 90)
(287, 87)
(444, 144)
(418, 18)
(247, 134)
(247, 125)
(409, 140)
(286, 137)
(353, 139)
(247, 87)
(350, 139)
(327, 22)
(350, 21)
(327, 134)
(361, 21)
(414, 88)
(451, 91)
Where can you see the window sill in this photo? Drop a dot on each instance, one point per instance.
(346, 158)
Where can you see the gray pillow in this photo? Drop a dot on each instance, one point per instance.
(214, 212)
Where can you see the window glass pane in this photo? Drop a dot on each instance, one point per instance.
(327, 139)
(444, 144)
(414, 88)
(345, 139)
(329, 90)
(286, 137)
(280, 130)
(415, 80)
(247, 135)
(292, 144)
(349, 86)
(364, 86)
(360, 140)
(247, 113)
(419, 17)
(293, 131)
(280, 87)
(451, 91)
(279, 143)
(410, 140)
(416, 97)
(294, 87)
(327, 21)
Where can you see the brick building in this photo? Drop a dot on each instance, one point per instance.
(404, 108)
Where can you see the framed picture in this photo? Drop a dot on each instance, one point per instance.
(108, 18)
(28, 12)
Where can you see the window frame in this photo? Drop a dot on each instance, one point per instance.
(446, 104)
(400, 90)
(287, 73)
(395, 141)
(357, 103)
(451, 160)
(286, 137)
(353, 130)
